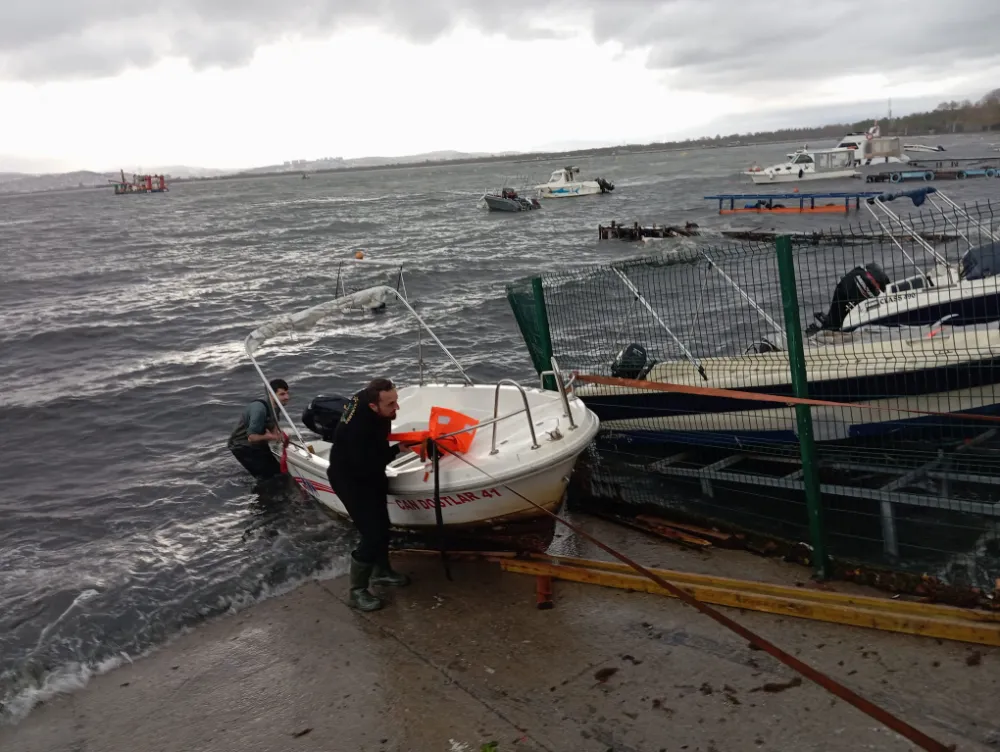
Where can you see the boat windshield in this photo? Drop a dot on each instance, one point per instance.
(803, 159)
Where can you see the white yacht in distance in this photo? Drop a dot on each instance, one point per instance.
(852, 151)
(807, 164)
(563, 182)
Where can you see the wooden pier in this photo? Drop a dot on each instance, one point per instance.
(821, 237)
(636, 232)
(633, 232)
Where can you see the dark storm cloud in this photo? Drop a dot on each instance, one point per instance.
(704, 44)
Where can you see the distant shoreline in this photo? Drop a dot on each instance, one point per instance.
(598, 152)
(531, 157)
(519, 159)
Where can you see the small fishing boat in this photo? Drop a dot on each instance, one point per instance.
(963, 294)
(508, 200)
(563, 182)
(513, 442)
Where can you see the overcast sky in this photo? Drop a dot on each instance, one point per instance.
(98, 84)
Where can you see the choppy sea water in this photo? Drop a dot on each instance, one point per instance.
(123, 519)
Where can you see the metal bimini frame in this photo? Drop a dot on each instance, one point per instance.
(639, 298)
(328, 308)
(918, 196)
(340, 288)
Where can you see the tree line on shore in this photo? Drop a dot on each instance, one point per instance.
(947, 117)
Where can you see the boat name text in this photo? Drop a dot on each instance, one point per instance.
(447, 501)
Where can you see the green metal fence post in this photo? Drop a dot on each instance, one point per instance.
(544, 334)
(803, 415)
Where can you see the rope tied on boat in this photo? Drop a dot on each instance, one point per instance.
(831, 685)
(284, 453)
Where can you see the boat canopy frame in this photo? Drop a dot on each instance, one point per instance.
(308, 318)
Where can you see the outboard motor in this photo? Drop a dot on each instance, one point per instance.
(632, 363)
(323, 413)
(606, 187)
(859, 284)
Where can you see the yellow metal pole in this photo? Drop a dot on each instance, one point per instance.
(872, 613)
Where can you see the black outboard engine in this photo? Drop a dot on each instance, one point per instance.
(859, 284)
(606, 187)
(323, 414)
(632, 363)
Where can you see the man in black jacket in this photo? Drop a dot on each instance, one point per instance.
(358, 458)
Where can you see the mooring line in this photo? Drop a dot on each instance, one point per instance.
(898, 725)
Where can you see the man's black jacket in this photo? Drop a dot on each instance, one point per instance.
(361, 451)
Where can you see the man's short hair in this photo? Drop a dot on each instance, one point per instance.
(375, 387)
(277, 384)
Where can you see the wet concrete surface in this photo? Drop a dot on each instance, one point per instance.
(452, 666)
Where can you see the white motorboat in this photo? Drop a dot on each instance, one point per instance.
(806, 165)
(963, 294)
(870, 147)
(525, 441)
(854, 150)
(563, 182)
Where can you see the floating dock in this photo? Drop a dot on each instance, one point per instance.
(804, 203)
(843, 239)
(935, 169)
(635, 231)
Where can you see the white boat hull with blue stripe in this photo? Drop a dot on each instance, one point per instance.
(563, 183)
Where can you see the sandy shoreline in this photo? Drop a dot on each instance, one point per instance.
(452, 666)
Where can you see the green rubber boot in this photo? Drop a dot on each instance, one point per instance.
(384, 574)
(360, 598)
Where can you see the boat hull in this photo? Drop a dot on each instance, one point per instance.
(501, 204)
(972, 302)
(469, 506)
(766, 178)
(584, 188)
(958, 373)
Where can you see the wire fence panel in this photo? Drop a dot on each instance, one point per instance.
(899, 315)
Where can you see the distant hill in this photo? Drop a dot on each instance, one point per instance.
(339, 163)
(14, 182)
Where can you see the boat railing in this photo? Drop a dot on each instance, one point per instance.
(563, 387)
(918, 196)
(496, 409)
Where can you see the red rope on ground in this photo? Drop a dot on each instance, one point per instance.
(660, 386)
(831, 685)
